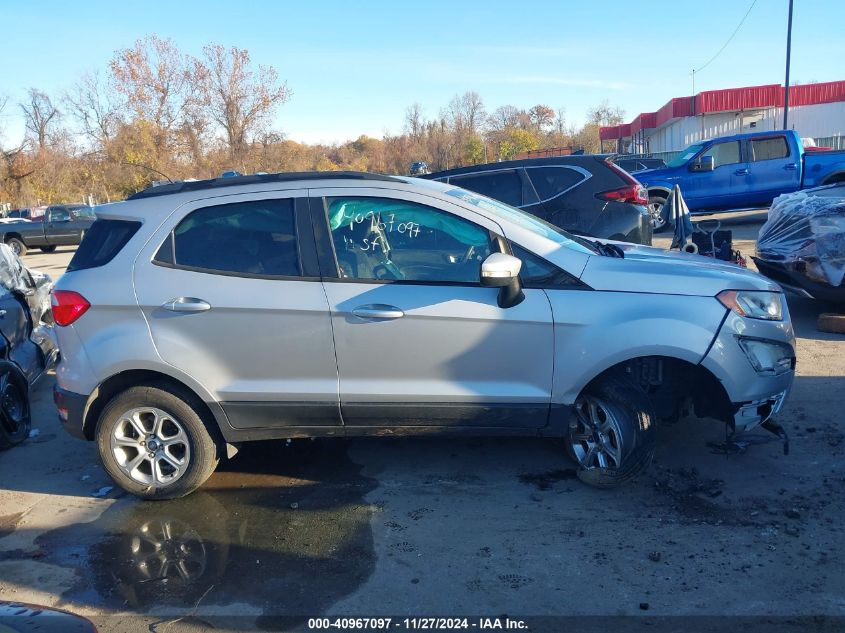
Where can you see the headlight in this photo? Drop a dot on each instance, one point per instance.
(767, 357)
(754, 304)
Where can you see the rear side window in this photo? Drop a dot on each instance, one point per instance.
(505, 185)
(102, 242)
(769, 148)
(553, 181)
(244, 238)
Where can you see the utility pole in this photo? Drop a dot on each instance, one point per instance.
(788, 54)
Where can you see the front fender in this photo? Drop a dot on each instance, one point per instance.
(596, 330)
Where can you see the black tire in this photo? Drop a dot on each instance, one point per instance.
(15, 416)
(634, 439)
(17, 246)
(48, 249)
(183, 407)
(660, 221)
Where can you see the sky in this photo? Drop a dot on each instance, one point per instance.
(354, 67)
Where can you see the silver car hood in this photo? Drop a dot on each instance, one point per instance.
(654, 270)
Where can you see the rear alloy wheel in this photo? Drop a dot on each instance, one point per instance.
(14, 407)
(17, 246)
(154, 444)
(150, 446)
(611, 433)
(657, 211)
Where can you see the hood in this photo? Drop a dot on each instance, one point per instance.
(654, 270)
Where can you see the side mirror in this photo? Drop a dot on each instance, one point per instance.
(703, 163)
(502, 271)
(498, 270)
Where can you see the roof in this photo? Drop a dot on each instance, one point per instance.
(572, 159)
(728, 100)
(256, 179)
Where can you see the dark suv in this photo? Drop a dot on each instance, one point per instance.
(588, 194)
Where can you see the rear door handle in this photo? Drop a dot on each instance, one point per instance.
(791, 166)
(186, 304)
(741, 172)
(378, 311)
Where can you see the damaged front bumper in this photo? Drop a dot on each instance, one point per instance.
(755, 394)
(752, 414)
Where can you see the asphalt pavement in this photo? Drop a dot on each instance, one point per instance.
(422, 526)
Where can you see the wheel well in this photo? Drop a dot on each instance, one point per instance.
(675, 387)
(140, 377)
(9, 235)
(658, 193)
(833, 178)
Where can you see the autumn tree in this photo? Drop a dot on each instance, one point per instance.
(237, 98)
(154, 79)
(542, 118)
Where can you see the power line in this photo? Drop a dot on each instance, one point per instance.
(725, 45)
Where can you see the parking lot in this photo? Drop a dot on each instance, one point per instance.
(443, 526)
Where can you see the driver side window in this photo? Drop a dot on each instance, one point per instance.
(726, 153)
(385, 239)
(58, 215)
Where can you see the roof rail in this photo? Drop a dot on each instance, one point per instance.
(255, 179)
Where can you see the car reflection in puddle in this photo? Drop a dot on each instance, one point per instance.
(283, 530)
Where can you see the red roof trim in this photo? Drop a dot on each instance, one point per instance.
(728, 100)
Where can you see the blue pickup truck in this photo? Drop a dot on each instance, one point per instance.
(739, 172)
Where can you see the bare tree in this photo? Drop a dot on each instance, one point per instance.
(414, 121)
(605, 114)
(503, 118)
(560, 120)
(39, 115)
(241, 101)
(466, 112)
(90, 104)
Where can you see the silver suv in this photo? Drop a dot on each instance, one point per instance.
(200, 315)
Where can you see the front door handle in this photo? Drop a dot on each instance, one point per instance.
(186, 304)
(791, 166)
(741, 172)
(378, 311)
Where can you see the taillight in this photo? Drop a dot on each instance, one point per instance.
(635, 194)
(68, 306)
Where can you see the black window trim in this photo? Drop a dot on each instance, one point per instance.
(328, 255)
(577, 168)
(307, 258)
(558, 279)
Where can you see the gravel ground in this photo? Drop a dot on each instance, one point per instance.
(428, 526)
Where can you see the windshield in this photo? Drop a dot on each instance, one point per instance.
(685, 155)
(524, 220)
